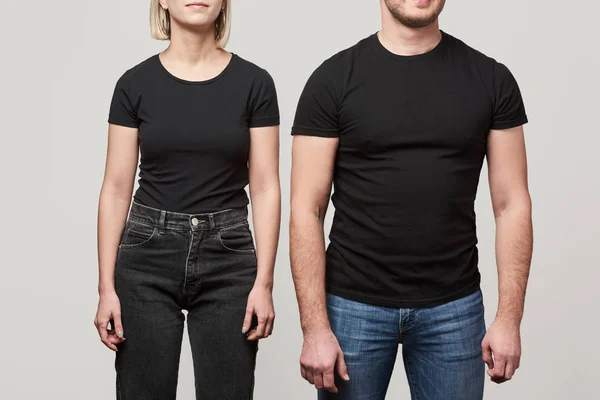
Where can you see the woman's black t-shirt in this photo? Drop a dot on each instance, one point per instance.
(194, 136)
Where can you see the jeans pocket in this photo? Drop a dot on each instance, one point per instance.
(136, 234)
(237, 238)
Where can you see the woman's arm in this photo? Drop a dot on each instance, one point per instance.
(115, 199)
(265, 195)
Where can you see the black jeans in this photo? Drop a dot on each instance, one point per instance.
(205, 264)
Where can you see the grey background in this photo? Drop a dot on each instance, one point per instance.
(60, 61)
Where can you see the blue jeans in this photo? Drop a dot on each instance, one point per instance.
(441, 348)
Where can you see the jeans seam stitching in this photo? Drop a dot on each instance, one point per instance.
(141, 221)
(247, 251)
(414, 321)
(142, 244)
(187, 260)
(226, 228)
(411, 378)
(119, 393)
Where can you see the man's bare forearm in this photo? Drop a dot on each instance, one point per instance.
(112, 213)
(307, 253)
(514, 247)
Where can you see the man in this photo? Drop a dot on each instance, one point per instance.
(401, 123)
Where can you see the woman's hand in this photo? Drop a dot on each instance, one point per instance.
(109, 309)
(260, 303)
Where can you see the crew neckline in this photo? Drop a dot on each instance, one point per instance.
(187, 82)
(415, 57)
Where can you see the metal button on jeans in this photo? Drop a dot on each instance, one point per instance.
(195, 221)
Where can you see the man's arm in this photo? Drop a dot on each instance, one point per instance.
(312, 171)
(507, 167)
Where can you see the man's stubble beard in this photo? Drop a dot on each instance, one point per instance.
(414, 22)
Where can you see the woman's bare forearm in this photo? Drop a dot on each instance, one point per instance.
(266, 216)
(112, 213)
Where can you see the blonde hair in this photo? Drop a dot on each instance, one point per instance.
(160, 23)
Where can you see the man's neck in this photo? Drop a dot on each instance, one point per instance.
(405, 41)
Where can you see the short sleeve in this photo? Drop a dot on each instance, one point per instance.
(264, 106)
(123, 110)
(509, 110)
(317, 111)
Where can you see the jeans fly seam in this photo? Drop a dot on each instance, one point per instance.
(198, 280)
(187, 260)
(413, 321)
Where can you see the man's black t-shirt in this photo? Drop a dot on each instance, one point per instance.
(194, 136)
(412, 139)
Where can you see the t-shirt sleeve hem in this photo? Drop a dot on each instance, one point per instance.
(264, 122)
(128, 124)
(305, 131)
(509, 124)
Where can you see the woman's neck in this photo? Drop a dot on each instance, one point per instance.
(192, 47)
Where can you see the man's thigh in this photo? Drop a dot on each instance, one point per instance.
(369, 338)
(442, 351)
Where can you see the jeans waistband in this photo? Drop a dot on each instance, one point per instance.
(180, 221)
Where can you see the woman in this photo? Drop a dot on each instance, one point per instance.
(206, 124)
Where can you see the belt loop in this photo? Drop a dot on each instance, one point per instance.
(161, 222)
(211, 219)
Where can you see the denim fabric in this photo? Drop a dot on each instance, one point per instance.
(441, 348)
(168, 262)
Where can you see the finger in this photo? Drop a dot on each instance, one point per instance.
(109, 342)
(499, 368)
(258, 332)
(110, 345)
(118, 325)
(268, 329)
(261, 328)
(509, 371)
(329, 381)
(310, 376)
(318, 380)
(303, 372)
(270, 325)
(113, 338)
(97, 325)
(247, 319)
(341, 367)
(253, 335)
(103, 330)
(104, 336)
(487, 356)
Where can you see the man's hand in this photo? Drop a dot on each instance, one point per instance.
(321, 357)
(502, 350)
